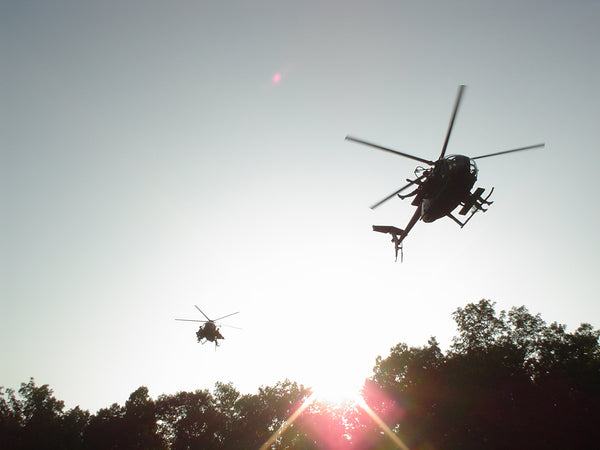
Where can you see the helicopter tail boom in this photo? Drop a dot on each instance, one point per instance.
(388, 229)
(398, 235)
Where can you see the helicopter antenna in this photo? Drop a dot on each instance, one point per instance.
(461, 89)
(529, 147)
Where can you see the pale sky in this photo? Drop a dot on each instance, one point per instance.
(150, 163)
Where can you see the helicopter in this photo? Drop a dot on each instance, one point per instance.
(209, 331)
(441, 187)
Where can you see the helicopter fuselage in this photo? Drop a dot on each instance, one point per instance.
(210, 332)
(448, 184)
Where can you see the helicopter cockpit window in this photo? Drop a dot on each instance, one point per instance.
(473, 168)
(461, 163)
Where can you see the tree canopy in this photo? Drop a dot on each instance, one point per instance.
(508, 380)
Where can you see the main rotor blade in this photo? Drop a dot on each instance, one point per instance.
(461, 88)
(530, 147)
(192, 320)
(385, 149)
(204, 314)
(230, 326)
(391, 195)
(226, 316)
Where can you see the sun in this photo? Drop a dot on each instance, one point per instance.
(337, 389)
(335, 377)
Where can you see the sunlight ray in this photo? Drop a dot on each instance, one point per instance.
(382, 425)
(313, 399)
(288, 422)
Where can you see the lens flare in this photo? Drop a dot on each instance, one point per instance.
(389, 433)
(313, 400)
(287, 423)
(276, 78)
(337, 391)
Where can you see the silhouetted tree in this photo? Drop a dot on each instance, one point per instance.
(37, 420)
(11, 419)
(253, 419)
(106, 429)
(140, 421)
(189, 420)
(507, 381)
(132, 426)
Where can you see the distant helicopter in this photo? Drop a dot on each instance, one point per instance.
(440, 188)
(209, 331)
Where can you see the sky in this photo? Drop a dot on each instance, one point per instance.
(160, 155)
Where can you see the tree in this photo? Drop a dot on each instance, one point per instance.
(254, 418)
(227, 419)
(507, 381)
(106, 429)
(189, 420)
(11, 419)
(37, 420)
(131, 426)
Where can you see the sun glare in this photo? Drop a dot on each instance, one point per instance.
(337, 400)
(337, 391)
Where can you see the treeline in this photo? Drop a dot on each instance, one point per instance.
(508, 380)
(201, 420)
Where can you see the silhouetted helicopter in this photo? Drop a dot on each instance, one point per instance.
(440, 188)
(209, 331)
